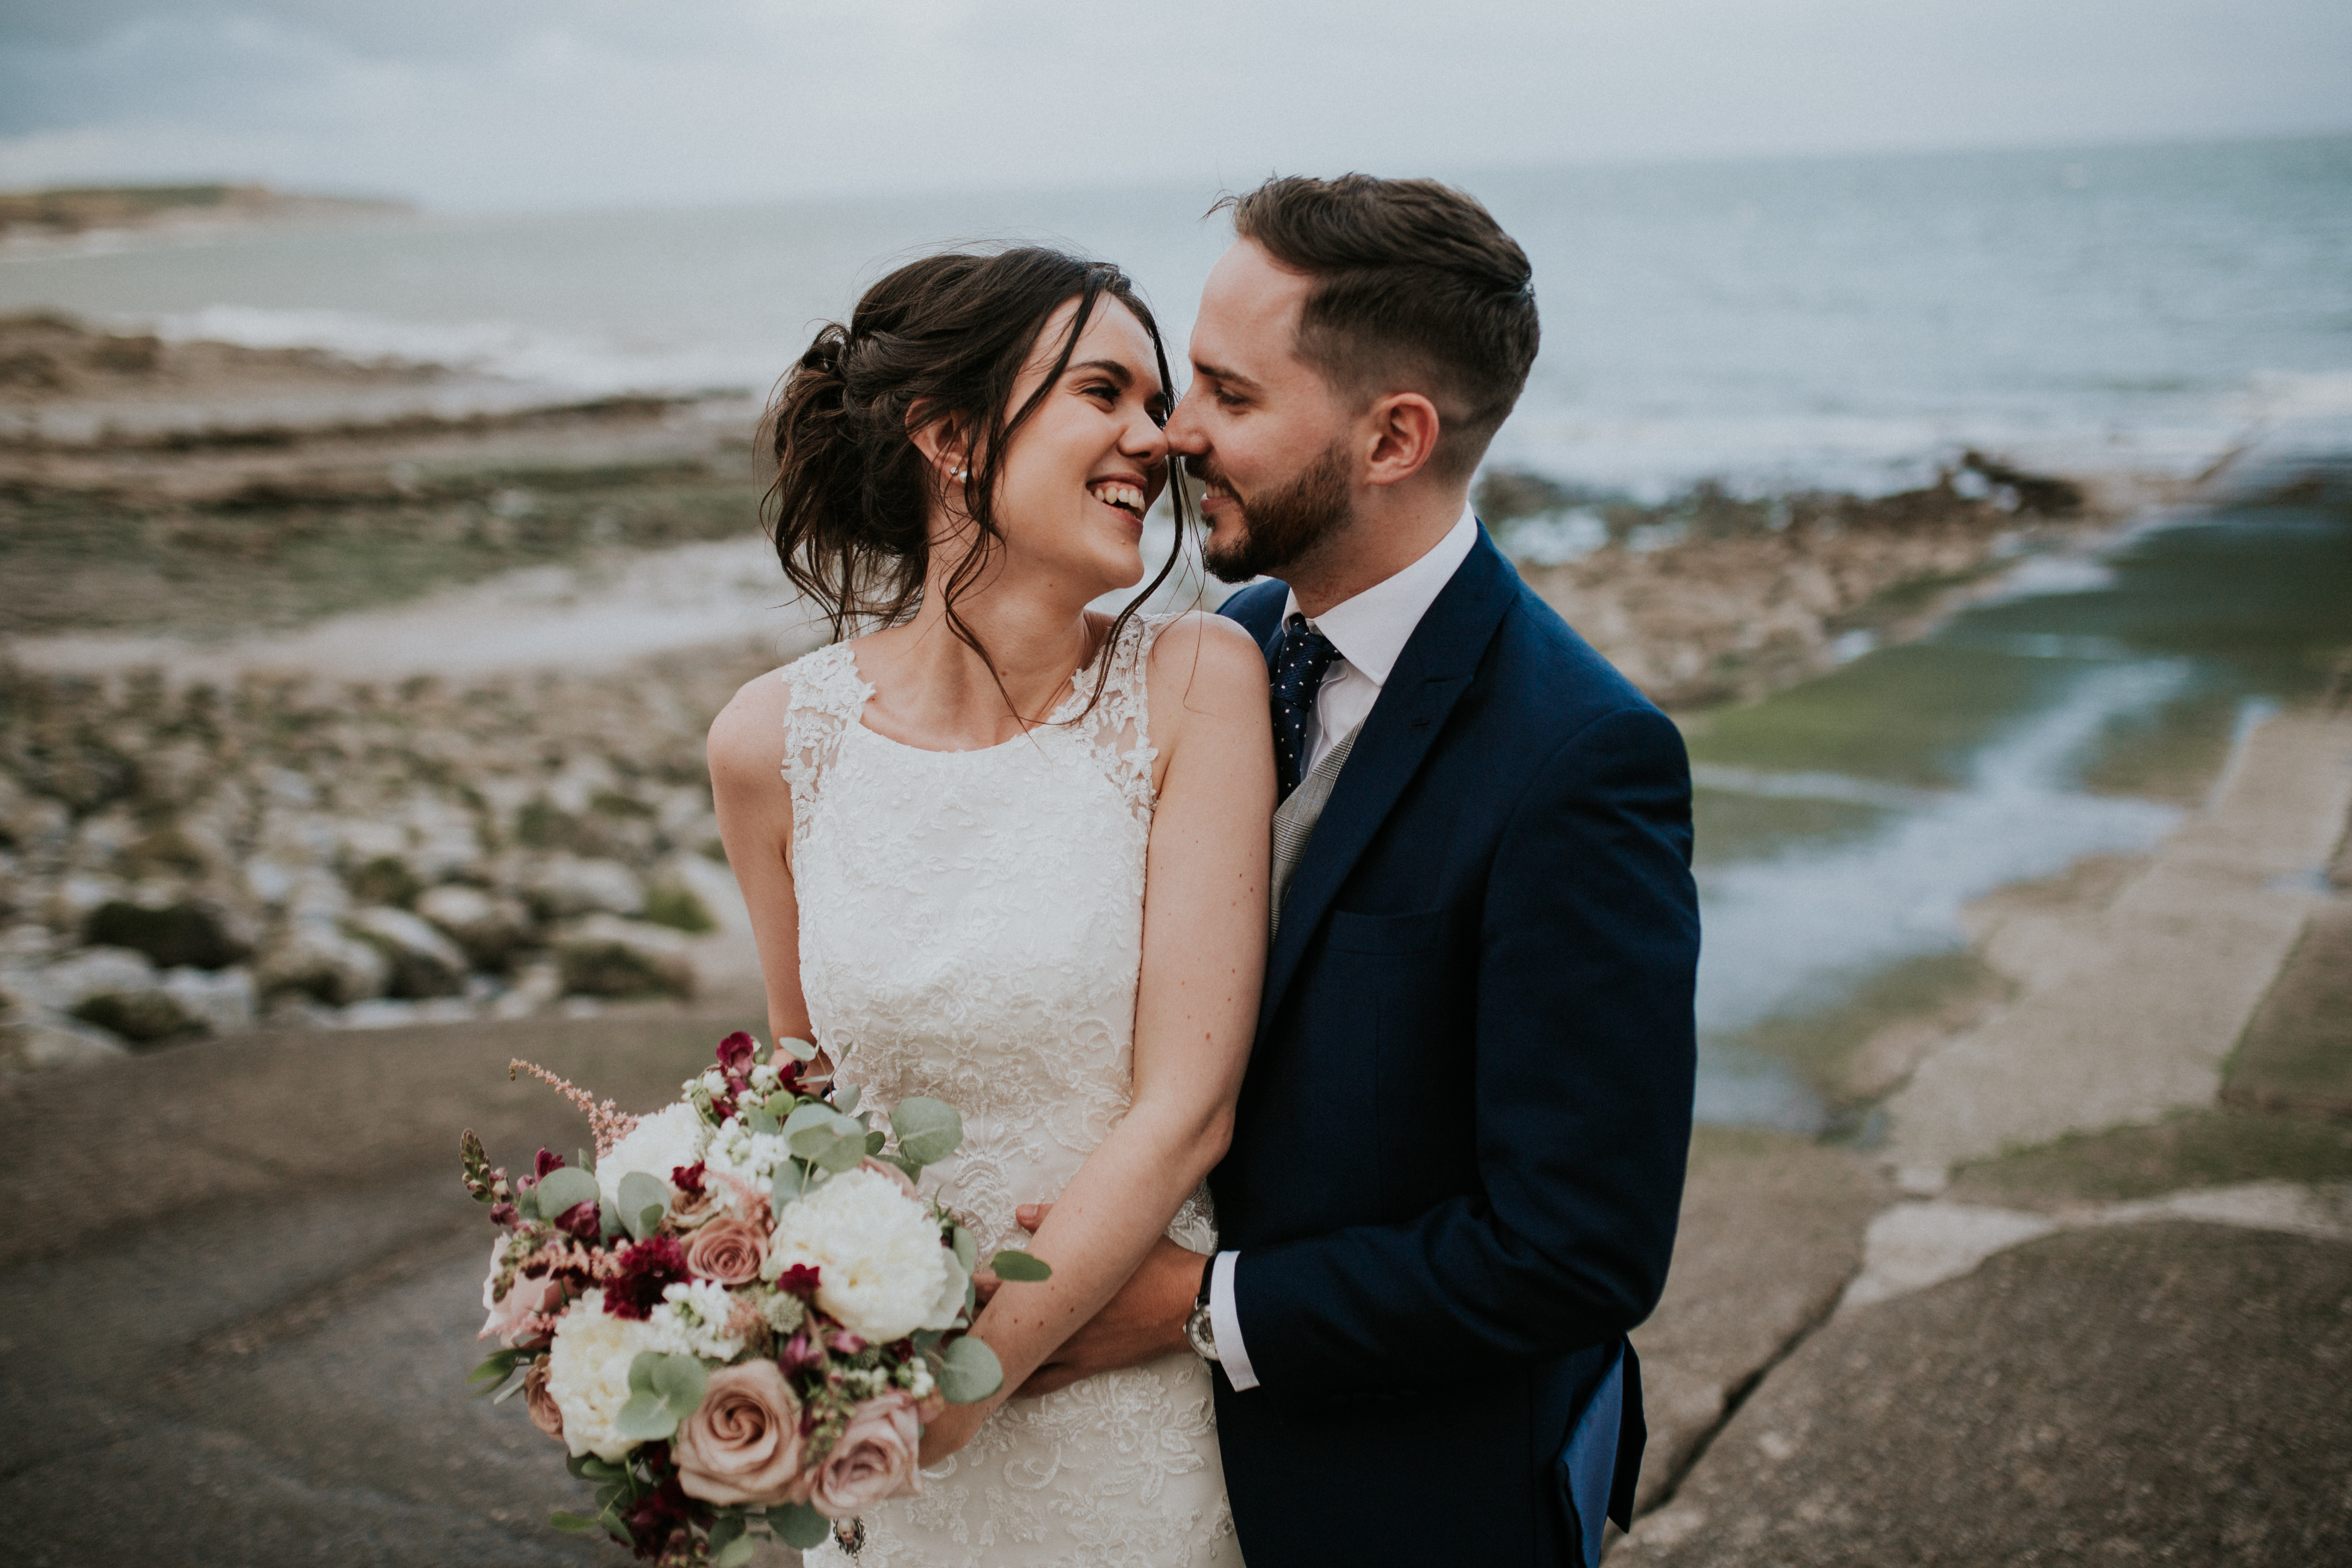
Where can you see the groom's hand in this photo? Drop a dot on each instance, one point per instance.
(1143, 1322)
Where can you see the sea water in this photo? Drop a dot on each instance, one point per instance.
(1835, 323)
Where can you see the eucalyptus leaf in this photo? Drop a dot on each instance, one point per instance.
(967, 1250)
(608, 1221)
(1016, 1267)
(846, 1101)
(726, 1528)
(759, 1118)
(734, 1555)
(841, 1154)
(800, 1526)
(644, 1198)
(791, 1181)
(680, 1380)
(564, 1188)
(512, 1386)
(810, 1115)
(525, 1203)
(928, 1129)
(645, 1419)
(969, 1371)
(495, 1371)
(874, 1141)
(798, 1049)
(585, 1159)
(926, 1338)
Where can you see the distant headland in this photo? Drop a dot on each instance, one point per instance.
(63, 212)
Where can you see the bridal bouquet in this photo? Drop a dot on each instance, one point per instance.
(737, 1314)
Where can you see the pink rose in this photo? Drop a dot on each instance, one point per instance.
(539, 1401)
(510, 1318)
(873, 1460)
(728, 1250)
(742, 1444)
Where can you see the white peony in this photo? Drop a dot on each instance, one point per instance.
(588, 1371)
(698, 1311)
(670, 1137)
(880, 1267)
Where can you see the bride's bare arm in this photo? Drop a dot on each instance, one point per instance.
(755, 823)
(1196, 1007)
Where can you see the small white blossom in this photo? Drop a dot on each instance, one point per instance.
(698, 1311)
(881, 1271)
(766, 1078)
(915, 1377)
(714, 1081)
(739, 1152)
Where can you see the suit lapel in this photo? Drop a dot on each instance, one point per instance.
(1430, 677)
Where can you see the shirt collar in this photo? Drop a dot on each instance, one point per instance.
(1370, 629)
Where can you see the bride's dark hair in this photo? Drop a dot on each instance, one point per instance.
(942, 338)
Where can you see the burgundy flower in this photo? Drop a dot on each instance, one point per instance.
(582, 1219)
(799, 1354)
(687, 1179)
(504, 1215)
(736, 1053)
(843, 1342)
(646, 1269)
(655, 1521)
(546, 1163)
(800, 1280)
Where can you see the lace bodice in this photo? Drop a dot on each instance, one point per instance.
(972, 927)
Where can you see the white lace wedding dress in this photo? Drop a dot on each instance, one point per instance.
(972, 927)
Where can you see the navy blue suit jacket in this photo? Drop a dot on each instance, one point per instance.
(1458, 1155)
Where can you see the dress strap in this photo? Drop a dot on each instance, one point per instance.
(1119, 728)
(826, 696)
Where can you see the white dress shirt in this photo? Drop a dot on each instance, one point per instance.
(1369, 631)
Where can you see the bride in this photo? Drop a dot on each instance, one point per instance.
(946, 828)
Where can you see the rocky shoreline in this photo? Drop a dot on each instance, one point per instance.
(197, 860)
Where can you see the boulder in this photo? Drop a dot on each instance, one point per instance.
(605, 955)
(185, 934)
(45, 1044)
(316, 958)
(223, 1000)
(491, 927)
(564, 886)
(142, 1018)
(63, 986)
(421, 960)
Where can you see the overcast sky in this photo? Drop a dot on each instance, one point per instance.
(558, 103)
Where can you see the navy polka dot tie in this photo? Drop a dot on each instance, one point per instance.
(1300, 660)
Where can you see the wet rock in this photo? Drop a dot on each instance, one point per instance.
(62, 986)
(223, 1001)
(41, 1044)
(386, 879)
(491, 928)
(181, 934)
(563, 886)
(314, 957)
(142, 1018)
(420, 961)
(605, 955)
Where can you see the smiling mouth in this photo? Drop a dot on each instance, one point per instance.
(1123, 496)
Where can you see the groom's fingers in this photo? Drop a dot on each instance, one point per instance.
(1030, 1215)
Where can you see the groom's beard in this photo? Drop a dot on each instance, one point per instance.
(1279, 528)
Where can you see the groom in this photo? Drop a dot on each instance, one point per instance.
(1458, 1155)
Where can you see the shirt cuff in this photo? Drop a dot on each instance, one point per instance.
(1226, 1324)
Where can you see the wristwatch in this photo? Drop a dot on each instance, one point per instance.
(1200, 1330)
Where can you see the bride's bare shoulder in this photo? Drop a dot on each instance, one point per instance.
(1198, 655)
(746, 740)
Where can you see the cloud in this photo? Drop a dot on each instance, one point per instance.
(567, 102)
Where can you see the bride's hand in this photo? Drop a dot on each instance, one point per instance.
(949, 1430)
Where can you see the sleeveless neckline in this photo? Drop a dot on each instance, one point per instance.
(1060, 713)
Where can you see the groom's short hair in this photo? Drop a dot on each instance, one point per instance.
(1414, 283)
